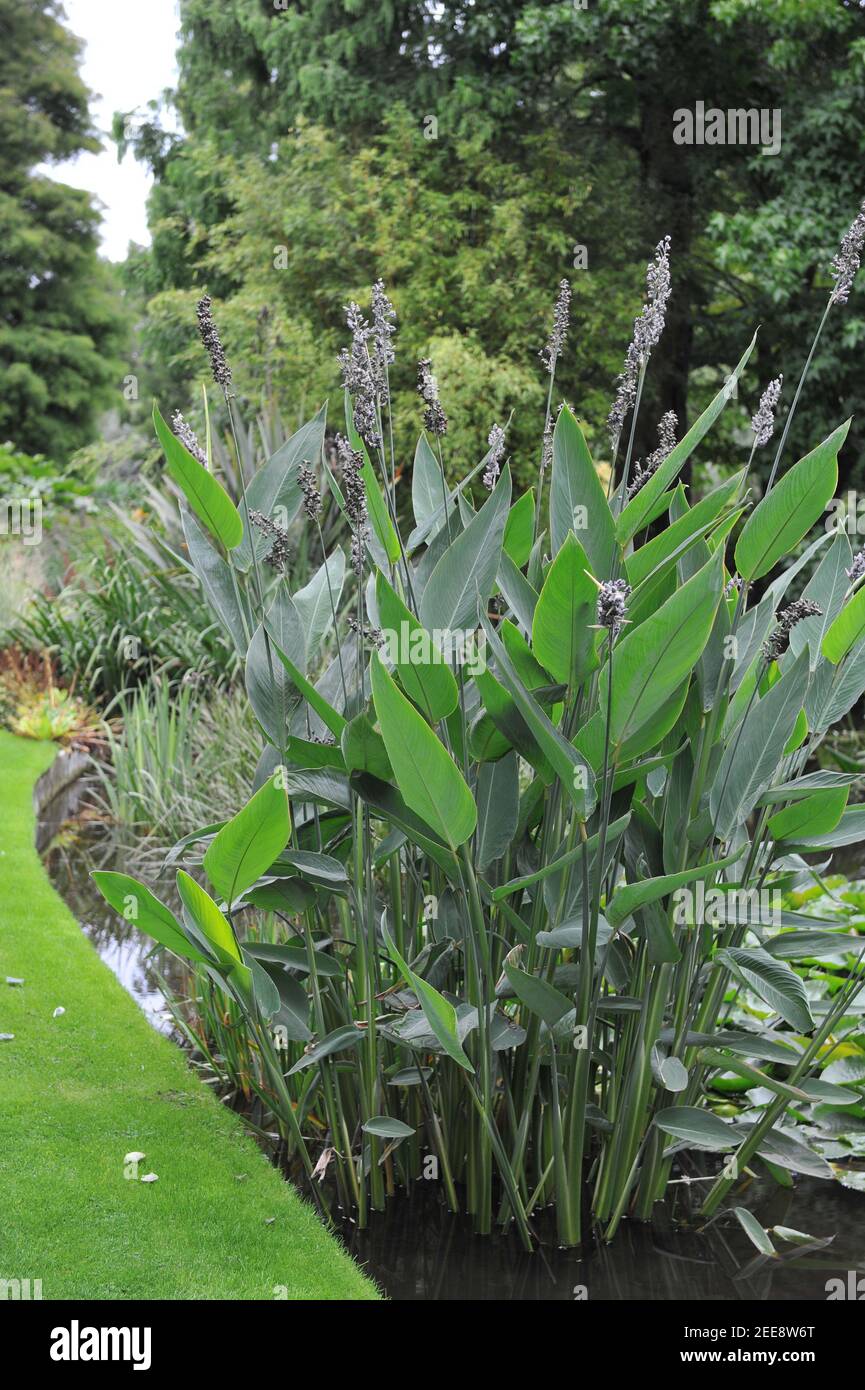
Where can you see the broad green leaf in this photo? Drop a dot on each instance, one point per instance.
(363, 748)
(520, 594)
(387, 803)
(802, 787)
(340, 1040)
(317, 602)
(519, 529)
(466, 573)
(427, 776)
(675, 540)
(207, 916)
(787, 513)
(754, 751)
(827, 588)
(849, 831)
(248, 844)
(754, 1231)
(428, 488)
(636, 514)
(538, 995)
(386, 1127)
(563, 636)
(272, 694)
(207, 498)
(274, 490)
(846, 630)
(632, 896)
(136, 904)
(438, 1012)
(578, 502)
(422, 669)
(570, 766)
(325, 711)
(698, 1128)
(773, 981)
(651, 662)
(498, 797)
(220, 587)
(815, 815)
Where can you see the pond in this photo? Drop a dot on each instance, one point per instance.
(417, 1250)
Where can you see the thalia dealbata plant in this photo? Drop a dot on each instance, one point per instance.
(453, 916)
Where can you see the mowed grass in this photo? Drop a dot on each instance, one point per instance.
(79, 1092)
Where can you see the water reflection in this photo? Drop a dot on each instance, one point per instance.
(417, 1250)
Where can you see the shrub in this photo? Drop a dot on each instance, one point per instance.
(511, 899)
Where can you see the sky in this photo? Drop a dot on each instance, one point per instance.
(129, 58)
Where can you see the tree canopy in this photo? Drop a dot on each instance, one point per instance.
(466, 152)
(59, 329)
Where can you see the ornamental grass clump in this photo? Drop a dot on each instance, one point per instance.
(511, 751)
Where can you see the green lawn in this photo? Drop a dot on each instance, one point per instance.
(79, 1092)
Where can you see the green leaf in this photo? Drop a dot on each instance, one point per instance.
(815, 815)
(439, 1014)
(221, 590)
(676, 539)
(325, 711)
(788, 512)
(207, 916)
(633, 896)
(498, 798)
(570, 766)
(849, 831)
(386, 1127)
(466, 573)
(754, 1231)
(755, 748)
(207, 498)
(340, 1040)
(136, 904)
(317, 602)
(698, 1128)
(363, 748)
(846, 630)
(519, 529)
(428, 490)
(773, 981)
(563, 638)
(423, 672)
(272, 694)
(651, 662)
(427, 776)
(538, 995)
(247, 845)
(577, 499)
(275, 488)
(636, 513)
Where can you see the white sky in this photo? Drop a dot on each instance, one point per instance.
(129, 58)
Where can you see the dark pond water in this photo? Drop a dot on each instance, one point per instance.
(417, 1250)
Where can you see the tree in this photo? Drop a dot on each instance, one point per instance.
(60, 327)
(598, 89)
